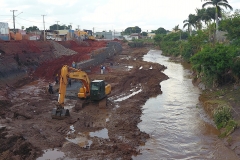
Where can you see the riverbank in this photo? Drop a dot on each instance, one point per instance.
(211, 99)
(225, 96)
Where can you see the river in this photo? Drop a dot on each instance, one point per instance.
(177, 124)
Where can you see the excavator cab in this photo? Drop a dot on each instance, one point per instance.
(97, 90)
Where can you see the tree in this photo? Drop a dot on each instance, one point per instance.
(32, 29)
(210, 11)
(199, 17)
(158, 38)
(231, 25)
(160, 31)
(60, 27)
(137, 29)
(144, 33)
(131, 30)
(217, 5)
(190, 22)
(176, 29)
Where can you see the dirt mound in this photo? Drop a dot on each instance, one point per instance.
(83, 46)
(16, 147)
(19, 59)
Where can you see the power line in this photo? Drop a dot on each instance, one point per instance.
(18, 23)
(29, 20)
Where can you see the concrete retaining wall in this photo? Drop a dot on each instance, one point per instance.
(100, 55)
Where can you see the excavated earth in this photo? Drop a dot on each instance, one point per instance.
(27, 130)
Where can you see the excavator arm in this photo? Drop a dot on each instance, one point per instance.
(69, 72)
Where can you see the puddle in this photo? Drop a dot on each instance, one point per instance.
(101, 133)
(140, 67)
(51, 154)
(72, 130)
(79, 139)
(129, 68)
(69, 103)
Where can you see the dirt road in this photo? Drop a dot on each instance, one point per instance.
(28, 132)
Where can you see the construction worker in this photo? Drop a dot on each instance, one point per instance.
(50, 88)
(56, 79)
(69, 82)
(73, 64)
(101, 69)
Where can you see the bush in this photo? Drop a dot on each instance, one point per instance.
(214, 62)
(136, 44)
(221, 116)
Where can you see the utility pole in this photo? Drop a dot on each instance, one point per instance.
(71, 30)
(57, 29)
(78, 27)
(114, 34)
(13, 20)
(44, 36)
(57, 24)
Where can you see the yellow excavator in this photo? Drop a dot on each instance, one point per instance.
(96, 90)
(87, 34)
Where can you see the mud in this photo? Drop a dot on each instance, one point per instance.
(28, 131)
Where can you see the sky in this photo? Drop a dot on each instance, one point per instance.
(101, 15)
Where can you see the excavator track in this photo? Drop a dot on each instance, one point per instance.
(81, 103)
(102, 103)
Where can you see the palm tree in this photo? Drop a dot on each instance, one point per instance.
(200, 17)
(217, 5)
(176, 29)
(190, 22)
(210, 11)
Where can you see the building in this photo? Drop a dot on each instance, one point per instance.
(151, 35)
(108, 35)
(4, 31)
(135, 36)
(127, 37)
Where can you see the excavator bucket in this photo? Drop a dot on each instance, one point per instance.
(60, 113)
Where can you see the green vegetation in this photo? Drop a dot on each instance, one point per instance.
(215, 58)
(217, 4)
(130, 30)
(140, 42)
(223, 119)
(214, 62)
(32, 29)
(221, 116)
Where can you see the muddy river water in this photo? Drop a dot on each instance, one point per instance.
(178, 126)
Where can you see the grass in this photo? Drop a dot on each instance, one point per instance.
(218, 104)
